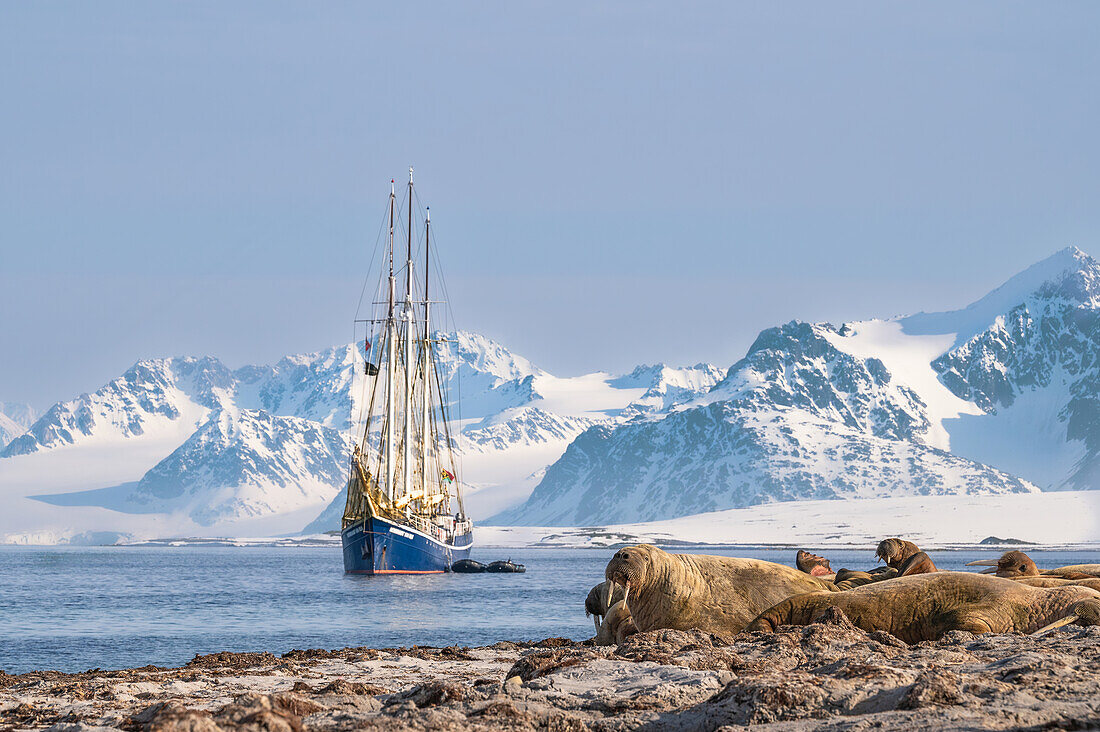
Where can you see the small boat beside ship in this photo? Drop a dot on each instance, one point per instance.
(469, 566)
(404, 512)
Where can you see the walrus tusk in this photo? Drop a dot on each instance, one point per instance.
(982, 563)
(596, 620)
(991, 570)
(626, 594)
(1057, 624)
(607, 595)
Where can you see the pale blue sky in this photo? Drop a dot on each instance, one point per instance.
(612, 183)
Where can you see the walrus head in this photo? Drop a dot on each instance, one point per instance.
(629, 568)
(887, 548)
(1011, 564)
(812, 563)
(895, 551)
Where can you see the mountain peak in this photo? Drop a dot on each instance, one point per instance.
(1069, 273)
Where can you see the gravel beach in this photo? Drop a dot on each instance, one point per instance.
(829, 675)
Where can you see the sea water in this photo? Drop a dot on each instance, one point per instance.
(78, 608)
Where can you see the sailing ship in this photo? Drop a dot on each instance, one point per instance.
(398, 518)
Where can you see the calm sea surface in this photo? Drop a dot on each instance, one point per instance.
(78, 608)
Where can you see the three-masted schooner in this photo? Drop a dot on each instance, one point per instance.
(398, 517)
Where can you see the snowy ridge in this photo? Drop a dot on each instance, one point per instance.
(1034, 373)
(1069, 272)
(320, 387)
(189, 446)
(15, 419)
(533, 416)
(521, 426)
(247, 464)
(146, 397)
(796, 419)
(9, 429)
(1000, 397)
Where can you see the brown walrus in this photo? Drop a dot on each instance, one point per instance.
(616, 627)
(919, 563)
(1093, 582)
(895, 551)
(925, 606)
(813, 564)
(713, 594)
(847, 579)
(1017, 564)
(599, 602)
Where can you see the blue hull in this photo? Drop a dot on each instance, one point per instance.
(380, 546)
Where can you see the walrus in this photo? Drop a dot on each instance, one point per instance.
(813, 564)
(616, 626)
(895, 551)
(599, 602)
(847, 579)
(919, 563)
(1093, 582)
(926, 606)
(699, 591)
(1017, 564)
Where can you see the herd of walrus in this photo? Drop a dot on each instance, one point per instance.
(646, 588)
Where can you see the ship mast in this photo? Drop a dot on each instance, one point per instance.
(391, 369)
(409, 366)
(425, 363)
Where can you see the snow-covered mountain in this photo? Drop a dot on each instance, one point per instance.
(191, 439)
(1001, 397)
(1034, 372)
(997, 398)
(208, 449)
(156, 392)
(519, 418)
(246, 464)
(15, 418)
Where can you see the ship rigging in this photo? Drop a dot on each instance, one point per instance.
(403, 475)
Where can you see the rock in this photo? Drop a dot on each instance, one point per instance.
(434, 693)
(351, 688)
(228, 660)
(934, 687)
(254, 712)
(540, 663)
(172, 716)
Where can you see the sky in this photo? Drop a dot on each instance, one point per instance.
(610, 183)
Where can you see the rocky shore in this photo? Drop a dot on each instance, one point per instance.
(828, 675)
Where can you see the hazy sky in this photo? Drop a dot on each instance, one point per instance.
(611, 183)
